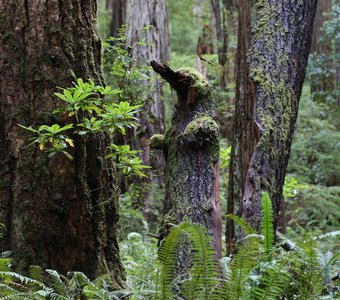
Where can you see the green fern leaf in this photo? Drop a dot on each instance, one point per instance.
(267, 228)
(240, 222)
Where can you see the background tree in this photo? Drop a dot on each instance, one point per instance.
(277, 60)
(244, 136)
(58, 213)
(324, 58)
(147, 38)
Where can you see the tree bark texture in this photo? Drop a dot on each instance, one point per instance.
(59, 214)
(245, 136)
(191, 149)
(280, 39)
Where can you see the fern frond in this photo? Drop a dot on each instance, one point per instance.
(267, 228)
(201, 281)
(36, 273)
(56, 282)
(5, 264)
(239, 221)
(273, 283)
(203, 273)
(309, 273)
(167, 255)
(244, 261)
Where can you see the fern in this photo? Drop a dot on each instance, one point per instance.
(202, 280)
(55, 281)
(244, 261)
(244, 226)
(267, 228)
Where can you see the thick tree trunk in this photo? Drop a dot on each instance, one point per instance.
(191, 148)
(244, 131)
(59, 214)
(280, 40)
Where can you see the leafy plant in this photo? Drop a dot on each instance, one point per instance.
(86, 109)
(202, 280)
(49, 284)
(52, 138)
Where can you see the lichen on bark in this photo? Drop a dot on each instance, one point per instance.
(191, 149)
(280, 38)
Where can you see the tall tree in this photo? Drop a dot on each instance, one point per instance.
(244, 135)
(147, 38)
(322, 49)
(58, 213)
(147, 22)
(280, 37)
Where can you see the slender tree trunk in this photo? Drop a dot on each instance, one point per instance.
(58, 213)
(244, 131)
(322, 49)
(191, 148)
(118, 16)
(280, 41)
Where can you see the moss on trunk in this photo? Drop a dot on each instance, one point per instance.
(191, 148)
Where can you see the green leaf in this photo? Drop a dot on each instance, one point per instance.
(239, 221)
(30, 128)
(267, 228)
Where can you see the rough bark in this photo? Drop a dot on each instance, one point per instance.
(59, 214)
(244, 131)
(280, 40)
(191, 149)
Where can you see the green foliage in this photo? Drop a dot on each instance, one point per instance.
(315, 208)
(139, 255)
(315, 155)
(52, 138)
(133, 77)
(49, 284)
(131, 219)
(86, 108)
(127, 161)
(202, 280)
(186, 22)
(259, 270)
(292, 187)
(322, 67)
(267, 228)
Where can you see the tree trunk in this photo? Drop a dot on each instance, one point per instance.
(323, 50)
(244, 133)
(280, 41)
(118, 16)
(191, 149)
(59, 214)
(147, 22)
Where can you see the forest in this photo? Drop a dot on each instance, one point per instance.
(169, 150)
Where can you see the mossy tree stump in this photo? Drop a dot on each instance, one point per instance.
(191, 149)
